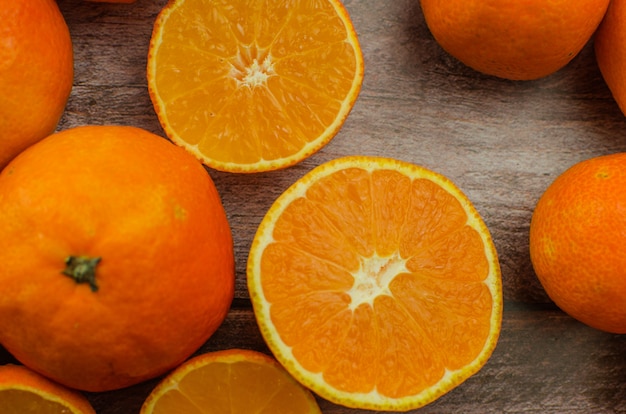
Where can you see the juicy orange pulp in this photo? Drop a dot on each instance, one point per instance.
(234, 381)
(376, 283)
(23, 391)
(255, 86)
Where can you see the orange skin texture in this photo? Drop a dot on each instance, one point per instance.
(19, 377)
(152, 214)
(36, 73)
(577, 239)
(517, 40)
(610, 48)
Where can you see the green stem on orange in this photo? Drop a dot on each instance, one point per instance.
(82, 269)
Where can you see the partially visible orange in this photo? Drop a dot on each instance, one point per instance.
(234, 381)
(376, 283)
(577, 239)
(610, 48)
(23, 391)
(36, 73)
(117, 257)
(518, 40)
(257, 85)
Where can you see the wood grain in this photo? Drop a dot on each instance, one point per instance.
(501, 142)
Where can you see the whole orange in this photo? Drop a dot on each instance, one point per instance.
(610, 48)
(36, 73)
(518, 40)
(117, 257)
(577, 239)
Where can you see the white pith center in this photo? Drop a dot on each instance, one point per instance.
(374, 277)
(252, 66)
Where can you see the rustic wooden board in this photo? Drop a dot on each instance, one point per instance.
(501, 142)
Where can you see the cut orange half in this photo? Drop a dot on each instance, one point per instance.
(26, 392)
(376, 284)
(233, 381)
(256, 85)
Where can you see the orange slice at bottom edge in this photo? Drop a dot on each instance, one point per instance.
(375, 282)
(234, 381)
(25, 392)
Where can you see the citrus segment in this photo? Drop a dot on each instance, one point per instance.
(26, 392)
(255, 86)
(230, 382)
(376, 284)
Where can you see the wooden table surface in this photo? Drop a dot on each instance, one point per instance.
(501, 142)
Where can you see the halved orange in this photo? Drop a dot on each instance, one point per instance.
(233, 381)
(25, 392)
(376, 283)
(256, 85)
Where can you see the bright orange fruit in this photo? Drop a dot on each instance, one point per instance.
(518, 40)
(23, 391)
(376, 283)
(117, 257)
(610, 48)
(36, 73)
(577, 239)
(257, 85)
(233, 381)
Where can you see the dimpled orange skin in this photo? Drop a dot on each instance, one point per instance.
(151, 213)
(610, 48)
(36, 73)
(517, 40)
(577, 239)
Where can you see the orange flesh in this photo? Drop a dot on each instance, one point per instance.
(246, 84)
(240, 387)
(27, 402)
(23, 391)
(384, 265)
